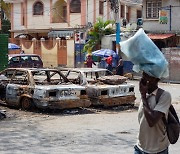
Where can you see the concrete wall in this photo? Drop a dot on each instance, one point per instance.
(133, 14)
(17, 17)
(149, 24)
(75, 19)
(50, 55)
(173, 57)
(90, 10)
(70, 53)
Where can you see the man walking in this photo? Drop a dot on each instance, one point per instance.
(152, 138)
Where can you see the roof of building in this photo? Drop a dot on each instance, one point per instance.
(160, 36)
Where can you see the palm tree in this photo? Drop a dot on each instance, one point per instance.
(99, 29)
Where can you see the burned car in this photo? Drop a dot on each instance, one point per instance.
(103, 88)
(42, 88)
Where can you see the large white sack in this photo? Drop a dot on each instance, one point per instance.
(145, 55)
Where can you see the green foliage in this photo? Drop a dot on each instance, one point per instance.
(6, 7)
(5, 23)
(6, 26)
(99, 29)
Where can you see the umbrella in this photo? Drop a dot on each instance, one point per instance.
(105, 53)
(12, 46)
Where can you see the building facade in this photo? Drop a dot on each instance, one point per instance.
(51, 19)
(161, 15)
(161, 20)
(37, 18)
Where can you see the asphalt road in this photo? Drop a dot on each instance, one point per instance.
(82, 131)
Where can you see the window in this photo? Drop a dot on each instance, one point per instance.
(139, 13)
(59, 12)
(38, 8)
(152, 8)
(75, 6)
(7, 75)
(20, 77)
(34, 58)
(101, 7)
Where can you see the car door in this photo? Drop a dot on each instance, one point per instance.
(5, 78)
(18, 86)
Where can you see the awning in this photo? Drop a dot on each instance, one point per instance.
(61, 33)
(160, 36)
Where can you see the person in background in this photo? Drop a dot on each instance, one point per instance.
(89, 62)
(22, 52)
(124, 21)
(119, 68)
(109, 62)
(152, 138)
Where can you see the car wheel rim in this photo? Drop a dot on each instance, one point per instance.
(26, 103)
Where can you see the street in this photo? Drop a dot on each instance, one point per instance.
(83, 131)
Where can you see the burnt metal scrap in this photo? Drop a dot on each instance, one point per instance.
(102, 89)
(2, 114)
(42, 88)
(113, 79)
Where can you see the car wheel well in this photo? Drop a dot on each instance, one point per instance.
(26, 103)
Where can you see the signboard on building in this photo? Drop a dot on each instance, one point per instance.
(163, 17)
(79, 38)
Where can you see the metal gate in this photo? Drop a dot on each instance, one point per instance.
(79, 55)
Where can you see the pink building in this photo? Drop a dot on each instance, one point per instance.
(60, 18)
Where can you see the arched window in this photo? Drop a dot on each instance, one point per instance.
(75, 6)
(38, 8)
(59, 12)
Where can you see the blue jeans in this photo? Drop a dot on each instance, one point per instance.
(138, 151)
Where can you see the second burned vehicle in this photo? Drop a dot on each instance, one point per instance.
(43, 88)
(102, 89)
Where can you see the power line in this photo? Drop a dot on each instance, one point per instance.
(66, 20)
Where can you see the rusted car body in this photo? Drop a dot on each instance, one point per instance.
(107, 92)
(44, 88)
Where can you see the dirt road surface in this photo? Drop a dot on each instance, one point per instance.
(82, 131)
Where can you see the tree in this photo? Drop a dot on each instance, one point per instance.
(5, 15)
(5, 9)
(6, 26)
(99, 29)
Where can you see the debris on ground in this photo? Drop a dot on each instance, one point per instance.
(2, 114)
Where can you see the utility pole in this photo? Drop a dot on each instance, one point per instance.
(115, 9)
(170, 11)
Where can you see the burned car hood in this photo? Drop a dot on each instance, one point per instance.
(59, 87)
(108, 86)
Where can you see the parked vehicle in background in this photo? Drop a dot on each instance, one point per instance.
(24, 61)
(102, 89)
(43, 88)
